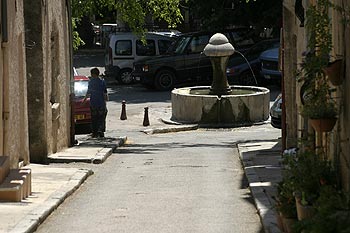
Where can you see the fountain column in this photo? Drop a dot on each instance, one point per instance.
(219, 50)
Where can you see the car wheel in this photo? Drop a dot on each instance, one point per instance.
(247, 79)
(164, 80)
(125, 77)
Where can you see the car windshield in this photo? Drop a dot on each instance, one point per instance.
(80, 88)
(180, 44)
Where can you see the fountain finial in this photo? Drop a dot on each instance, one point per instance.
(219, 49)
(218, 46)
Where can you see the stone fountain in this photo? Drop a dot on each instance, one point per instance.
(220, 105)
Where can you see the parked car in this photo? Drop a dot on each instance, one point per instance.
(124, 48)
(270, 65)
(246, 70)
(185, 61)
(276, 112)
(82, 114)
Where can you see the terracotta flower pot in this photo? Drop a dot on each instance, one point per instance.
(304, 212)
(288, 224)
(334, 71)
(279, 221)
(323, 125)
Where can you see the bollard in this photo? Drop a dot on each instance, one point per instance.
(145, 118)
(123, 115)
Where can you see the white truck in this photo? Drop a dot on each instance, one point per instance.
(124, 48)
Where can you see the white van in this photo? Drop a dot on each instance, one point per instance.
(124, 48)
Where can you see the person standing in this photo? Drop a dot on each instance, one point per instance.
(97, 91)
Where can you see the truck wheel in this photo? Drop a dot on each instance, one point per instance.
(125, 77)
(164, 80)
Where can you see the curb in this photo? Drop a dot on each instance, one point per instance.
(264, 208)
(170, 129)
(105, 152)
(98, 158)
(33, 219)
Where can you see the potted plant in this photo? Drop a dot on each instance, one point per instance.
(285, 205)
(332, 213)
(334, 71)
(320, 108)
(310, 172)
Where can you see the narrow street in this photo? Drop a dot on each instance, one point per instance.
(177, 182)
(188, 181)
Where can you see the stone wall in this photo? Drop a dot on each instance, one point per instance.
(48, 73)
(14, 131)
(337, 142)
(59, 75)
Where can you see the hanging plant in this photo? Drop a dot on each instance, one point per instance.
(315, 92)
(334, 72)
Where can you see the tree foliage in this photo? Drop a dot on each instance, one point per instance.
(213, 14)
(132, 12)
(221, 13)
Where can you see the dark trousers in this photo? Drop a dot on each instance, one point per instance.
(98, 119)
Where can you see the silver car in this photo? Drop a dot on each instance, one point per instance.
(276, 112)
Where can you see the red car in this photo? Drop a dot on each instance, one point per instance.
(82, 114)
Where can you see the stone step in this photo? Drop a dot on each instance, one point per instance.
(27, 174)
(4, 167)
(16, 186)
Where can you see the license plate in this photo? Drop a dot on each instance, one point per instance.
(79, 117)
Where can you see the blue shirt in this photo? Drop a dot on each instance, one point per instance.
(97, 89)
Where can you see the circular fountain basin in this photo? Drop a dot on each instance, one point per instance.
(246, 105)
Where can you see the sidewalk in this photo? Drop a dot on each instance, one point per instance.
(261, 162)
(52, 185)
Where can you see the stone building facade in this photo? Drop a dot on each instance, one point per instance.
(35, 79)
(48, 73)
(13, 84)
(337, 142)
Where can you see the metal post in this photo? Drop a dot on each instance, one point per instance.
(123, 114)
(145, 119)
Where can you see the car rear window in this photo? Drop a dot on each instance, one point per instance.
(80, 88)
(148, 49)
(123, 47)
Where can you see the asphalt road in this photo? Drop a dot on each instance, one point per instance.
(175, 182)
